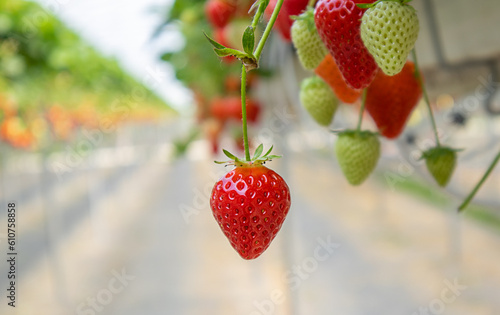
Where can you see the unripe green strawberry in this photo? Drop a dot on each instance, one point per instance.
(441, 162)
(389, 31)
(358, 153)
(318, 99)
(310, 48)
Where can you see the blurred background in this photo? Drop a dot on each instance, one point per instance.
(112, 112)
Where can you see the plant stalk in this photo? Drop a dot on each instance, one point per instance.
(481, 182)
(257, 54)
(426, 96)
(267, 31)
(244, 111)
(361, 111)
(259, 13)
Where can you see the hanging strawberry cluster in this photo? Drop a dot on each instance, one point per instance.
(358, 50)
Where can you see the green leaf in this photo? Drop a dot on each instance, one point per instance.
(229, 155)
(268, 151)
(213, 42)
(167, 56)
(231, 52)
(258, 151)
(222, 52)
(249, 40)
(273, 157)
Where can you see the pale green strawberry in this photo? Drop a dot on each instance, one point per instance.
(318, 99)
(441, 162)
(389, 31)
(358, 153)
(305, 38)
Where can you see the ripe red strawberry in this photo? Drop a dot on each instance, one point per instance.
(338, 23)
(440, 162)
(330, 73)
(219, 12)
(250, 204)
(358, 153)
(391, 99)
(284, 21)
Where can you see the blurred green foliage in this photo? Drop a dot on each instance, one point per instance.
(43, 62)
(196, 64)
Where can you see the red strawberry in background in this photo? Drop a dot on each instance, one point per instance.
(219, 12)
(229, 107)
(338, 23)
(232, 84)
(250, 204)
(284, 21)
(217, 108)
(253, 110)
(391, 99)
(212, 128)
(330, 73)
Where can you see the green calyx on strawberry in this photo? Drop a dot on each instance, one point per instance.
(358, 153)
(441, 162)
(310, 48)
(250, 204)
(258, 157)
(318, 99)
(389, 30)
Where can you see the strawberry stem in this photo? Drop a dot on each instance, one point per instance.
(426, 96)
(244, 111)
(259, 13)
(362, 110)
(312, 3)
(267, 31)
(479, 184)
(257, 53)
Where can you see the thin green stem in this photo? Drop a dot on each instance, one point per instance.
(259, 13)
(426, 96)
(481, 182)
(312, 3)
(244, 111)
(267, 31)
(361, 111)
